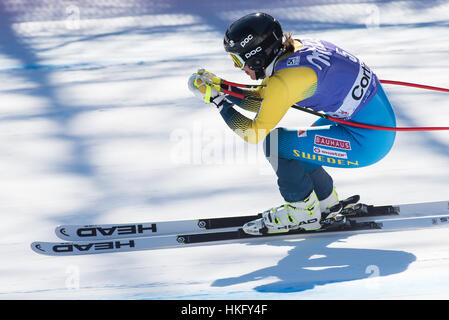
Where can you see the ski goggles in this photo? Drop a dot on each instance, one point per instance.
(238, 61)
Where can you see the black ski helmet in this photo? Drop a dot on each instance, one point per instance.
(256, 39)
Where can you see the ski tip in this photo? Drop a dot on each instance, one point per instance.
(61, 232)
(38, 247)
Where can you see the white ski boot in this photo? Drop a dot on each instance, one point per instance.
(329, 202)
(304, 214)
(332, 216)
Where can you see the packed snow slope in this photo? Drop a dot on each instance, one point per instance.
(97, 126)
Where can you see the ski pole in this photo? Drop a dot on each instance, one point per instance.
(415, 85)
(393, 82)
(337, 120)
(367, 126)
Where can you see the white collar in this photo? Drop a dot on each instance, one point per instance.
(270, 68)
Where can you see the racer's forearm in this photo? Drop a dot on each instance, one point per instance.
(251, 102)
(244, 127)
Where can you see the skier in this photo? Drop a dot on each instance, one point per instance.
(309, 73)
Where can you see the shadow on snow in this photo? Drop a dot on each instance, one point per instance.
(312, 262)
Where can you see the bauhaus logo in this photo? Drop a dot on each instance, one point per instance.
(331, 142)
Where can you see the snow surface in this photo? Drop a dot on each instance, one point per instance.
(97, 126)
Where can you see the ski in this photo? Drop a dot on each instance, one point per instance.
(238, 236)
(117, 231)
(148, 229)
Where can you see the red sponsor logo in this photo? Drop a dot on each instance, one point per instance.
(334, 143)
(302, 133)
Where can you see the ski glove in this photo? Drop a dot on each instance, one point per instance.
(206, 85)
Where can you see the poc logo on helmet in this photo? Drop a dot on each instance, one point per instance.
(245, 41)
(253, 52)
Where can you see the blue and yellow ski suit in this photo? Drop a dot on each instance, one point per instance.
(323, 77)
